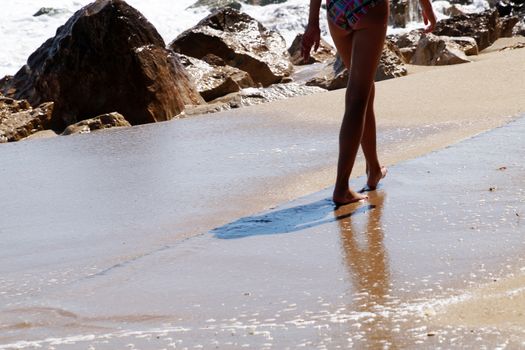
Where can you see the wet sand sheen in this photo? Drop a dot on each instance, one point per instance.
(372, 274)
(95, 229)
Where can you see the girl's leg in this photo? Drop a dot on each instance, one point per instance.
(343, 43)
(374, 170)
(367, 46)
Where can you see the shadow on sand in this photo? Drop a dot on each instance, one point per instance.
(289, 220)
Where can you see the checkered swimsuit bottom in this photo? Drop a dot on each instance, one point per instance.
(346, 13)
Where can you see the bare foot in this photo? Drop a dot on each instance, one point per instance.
(374, 177)
(347, 197)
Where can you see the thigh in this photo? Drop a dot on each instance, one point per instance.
(343, 42)
(367, 48)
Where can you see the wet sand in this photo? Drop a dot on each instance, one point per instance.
(393, 272)
(106, 237)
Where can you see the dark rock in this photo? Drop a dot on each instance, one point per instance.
(485, 27)
(106, 58)
(506, 26)
(105, 121)
(214, 60)
(215, 81)
(19, 120)
(504, 8)
(241, 42)
(323, 54)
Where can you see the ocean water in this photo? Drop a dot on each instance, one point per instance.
(21, 33)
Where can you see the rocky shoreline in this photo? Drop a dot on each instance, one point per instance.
(109, 67)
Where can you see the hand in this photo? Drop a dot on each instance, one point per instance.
(428, 16)
(311, 37)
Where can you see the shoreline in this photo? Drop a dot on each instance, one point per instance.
(96, 227)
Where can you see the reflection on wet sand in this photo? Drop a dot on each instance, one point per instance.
(365, 258)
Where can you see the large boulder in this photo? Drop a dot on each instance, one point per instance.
(485, 27)
(241, 42)
(213, 79)
(433, 50)
(324, 53)
(19, 120)
(106, 58)
(104, 121)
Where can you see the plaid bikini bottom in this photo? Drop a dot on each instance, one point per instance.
(346, 13)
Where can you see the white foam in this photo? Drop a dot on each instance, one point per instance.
(21, 33)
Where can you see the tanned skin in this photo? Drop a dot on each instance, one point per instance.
(361, 46)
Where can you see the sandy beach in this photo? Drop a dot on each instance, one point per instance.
(150, 238)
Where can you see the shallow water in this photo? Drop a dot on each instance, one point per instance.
(132, 238)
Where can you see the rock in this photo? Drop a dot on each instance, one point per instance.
(504, 8)
(254, 96)
(323, 54)
(506, 26)
(436, 51)
(519, 29)
(407, 43)
(391, 63)
(453, 11)
(241, 42)
(217, 4)
(485, 27)
(44, 134)
(513, 47)
(333, 74)
(213, 81)
(105, 121)
(466, 44)
(19, 120)
(106, 58)
(398, 13)
(263, 2)
(49, 11)
(403, 12)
